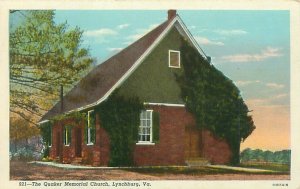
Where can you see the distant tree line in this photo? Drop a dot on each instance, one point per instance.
(283, 156)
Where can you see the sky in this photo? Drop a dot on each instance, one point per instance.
(252, 48)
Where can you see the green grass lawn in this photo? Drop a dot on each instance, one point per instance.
(284, 168)
(197, 170)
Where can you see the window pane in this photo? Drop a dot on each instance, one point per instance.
(148, 114)
(141, 122)
(143, 115)
(145, 126)
(174, 59)
(144, 123)
(148, 123)
(69, 135)
(143, 137)
(93, 134)
(147, 138)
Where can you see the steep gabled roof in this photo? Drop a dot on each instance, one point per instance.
(102, 80)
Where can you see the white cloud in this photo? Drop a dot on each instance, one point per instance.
(100, 32)
(272, 100)
(127, 43)
(270, 85)
(122, 26)
(192, 27)
(114, 49)
(203, 30)
(269, 52)
(231, 32)
(279, 96)
(275, 85)
(244, 83)
(134, 37)
(206, 41)
(141, 32)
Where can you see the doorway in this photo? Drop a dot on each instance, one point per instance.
(78, 140)
(58, 144)
(192, 142)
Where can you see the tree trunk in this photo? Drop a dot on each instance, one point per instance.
(235, 149)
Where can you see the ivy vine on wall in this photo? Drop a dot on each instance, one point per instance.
(214, 100)
(120, 118)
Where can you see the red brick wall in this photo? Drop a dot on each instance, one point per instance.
(170, 149)
(96, 155)
(67, 152)
(104, 147)
(217, 151)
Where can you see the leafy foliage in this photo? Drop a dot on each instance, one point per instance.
(21, 130)
(46, 133)
(120, 118)
(155, 126)
(43, 56)
(22, 134)
(75, 116)
(214, 100)
(25, 154)
(283, 156)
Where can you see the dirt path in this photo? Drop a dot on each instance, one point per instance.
(25, 171)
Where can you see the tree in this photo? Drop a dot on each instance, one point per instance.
(43, 56)
(214, 100)
(246, 155)
(21, 130)
(258, 154)
(268, 156)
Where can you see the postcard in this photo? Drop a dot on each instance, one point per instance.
(150, 94)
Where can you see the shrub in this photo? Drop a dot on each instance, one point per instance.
(25, 154)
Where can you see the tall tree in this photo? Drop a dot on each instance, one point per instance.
(43, 56)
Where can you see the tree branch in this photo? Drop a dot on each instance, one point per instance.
(22, 115)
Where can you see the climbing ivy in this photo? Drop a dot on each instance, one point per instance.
(46, 133)
(75, 116)
(120, 118)
(214, 100)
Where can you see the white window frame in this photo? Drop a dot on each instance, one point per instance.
(174, 51)
(89, 129)
(51, 133)
(151, 129)
(66, 142)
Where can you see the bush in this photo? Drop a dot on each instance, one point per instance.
(47, 159)
(25, 154)
(45, 151)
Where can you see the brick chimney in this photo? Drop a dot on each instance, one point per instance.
(171, 14)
